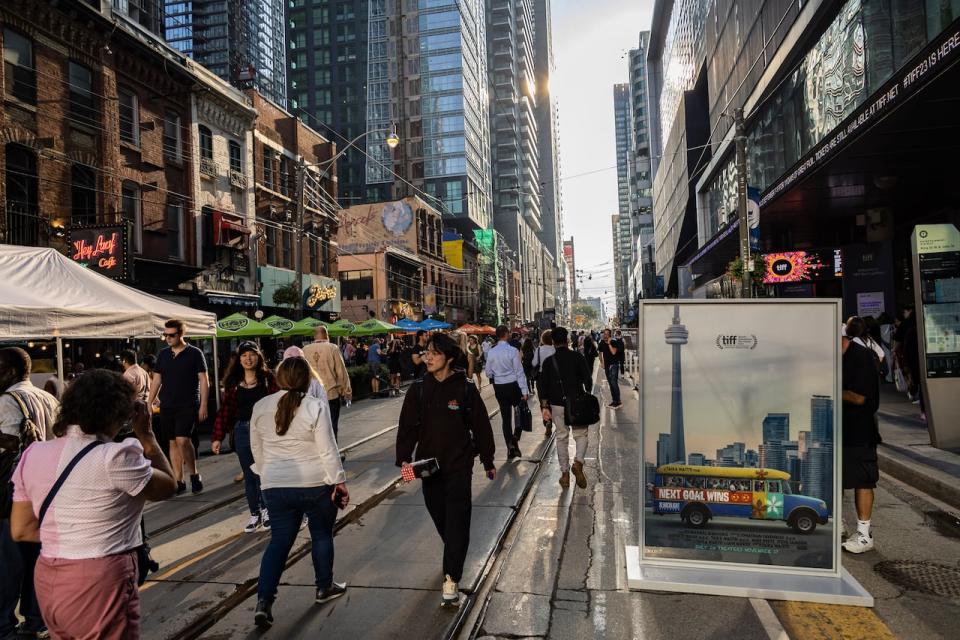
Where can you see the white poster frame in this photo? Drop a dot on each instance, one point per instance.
(833, 585)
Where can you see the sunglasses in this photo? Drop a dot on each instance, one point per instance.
(170, 335)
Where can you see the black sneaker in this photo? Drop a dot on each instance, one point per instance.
(334, 591)
(263, 616)
(23, 632)
(181, 488)
(196, 484)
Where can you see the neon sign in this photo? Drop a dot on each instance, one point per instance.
(100, 249)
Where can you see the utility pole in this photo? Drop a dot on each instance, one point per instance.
(745, 256)
(301, 177)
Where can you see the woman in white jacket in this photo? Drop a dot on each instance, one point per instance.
(298, 462)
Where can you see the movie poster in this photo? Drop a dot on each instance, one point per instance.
(739, 416)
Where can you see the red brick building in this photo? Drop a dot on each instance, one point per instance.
(280, 141)
(94, 126)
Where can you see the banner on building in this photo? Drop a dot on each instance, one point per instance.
(429, 299)
(374, 227)
(740, 471)
(753, 217)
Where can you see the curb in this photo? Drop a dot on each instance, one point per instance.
(940, 485)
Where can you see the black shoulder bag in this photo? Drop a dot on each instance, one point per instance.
(582, 411)
(145, 563)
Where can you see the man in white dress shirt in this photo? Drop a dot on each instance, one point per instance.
(509, 385)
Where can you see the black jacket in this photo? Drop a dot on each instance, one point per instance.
(438, 429)
(573, 372)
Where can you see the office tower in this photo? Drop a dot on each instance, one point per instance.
(427, 76)
(821, 418)
(663, 450)
(622, 238)
(696, 459)
(817, 472)
(773, 456)
(327, 85)
(677, 335)
(776, 427)
(242, 41)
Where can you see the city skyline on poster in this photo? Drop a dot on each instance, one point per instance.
(739, 413)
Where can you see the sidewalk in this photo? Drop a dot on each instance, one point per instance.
(906, 452)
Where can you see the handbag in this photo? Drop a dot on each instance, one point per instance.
(145, 563)
(582, 411)
(522, 417)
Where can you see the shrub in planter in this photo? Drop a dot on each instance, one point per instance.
(360, 379)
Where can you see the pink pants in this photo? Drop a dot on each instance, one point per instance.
(89, 599)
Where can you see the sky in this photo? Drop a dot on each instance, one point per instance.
(590, 44)
(728, 392)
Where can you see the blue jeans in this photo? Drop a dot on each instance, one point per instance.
(613, 378)
(287, 507)
(17, 560)
(251, 481)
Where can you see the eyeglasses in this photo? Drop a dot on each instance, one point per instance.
(170, 335)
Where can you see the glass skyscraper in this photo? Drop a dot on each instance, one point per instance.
(242, 41)
(427, 75)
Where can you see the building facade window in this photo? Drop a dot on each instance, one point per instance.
(172, 141)
(175, 229)
(19, 74)
(82, 105)
(236, 159)
(314, 255)
(129, 116)
(83, 195)
(22, 214)
(206, 143)
(131, 209)
(269, 171)
(286, 176)
(288, 249)
(270, 244)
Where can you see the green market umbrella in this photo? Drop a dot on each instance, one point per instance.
(279, 324)
(305, 327)
(341, 328)
(374, 327)
(240, 326)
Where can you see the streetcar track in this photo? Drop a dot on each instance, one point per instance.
(213, 506)
(248, 588)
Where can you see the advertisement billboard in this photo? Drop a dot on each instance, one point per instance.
(739, 414)
(802, 266)
(373, 227)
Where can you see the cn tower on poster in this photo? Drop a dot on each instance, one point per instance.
(677, 335)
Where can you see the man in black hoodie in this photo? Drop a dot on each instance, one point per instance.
(443, 417)
(554, 392)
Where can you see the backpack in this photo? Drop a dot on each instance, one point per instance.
(465, 408)
(29, 433)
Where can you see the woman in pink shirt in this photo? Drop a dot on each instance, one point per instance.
(86, 577)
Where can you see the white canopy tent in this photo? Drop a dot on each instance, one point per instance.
(44, 294)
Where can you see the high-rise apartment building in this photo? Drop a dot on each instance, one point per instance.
(622, 238)
(427, 77)
(242, 41)
(643, 276)
(551, 205)
(776, 427)
(515, 146)
(569, 258)
(327, 85)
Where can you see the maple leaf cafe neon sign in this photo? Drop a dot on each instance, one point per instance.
(100, 249)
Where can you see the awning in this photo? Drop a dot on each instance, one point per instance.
(234, 299)
(230, 230)
(412, 258)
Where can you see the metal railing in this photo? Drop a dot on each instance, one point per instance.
(22, 225)
(208, 167)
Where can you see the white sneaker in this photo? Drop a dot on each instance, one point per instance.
(265, 519)
(859, 543)
(451, 596)
(252, 524)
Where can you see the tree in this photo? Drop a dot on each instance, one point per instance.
(583, 315)
(286, 295)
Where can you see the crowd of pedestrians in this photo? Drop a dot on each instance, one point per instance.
(81, 467)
